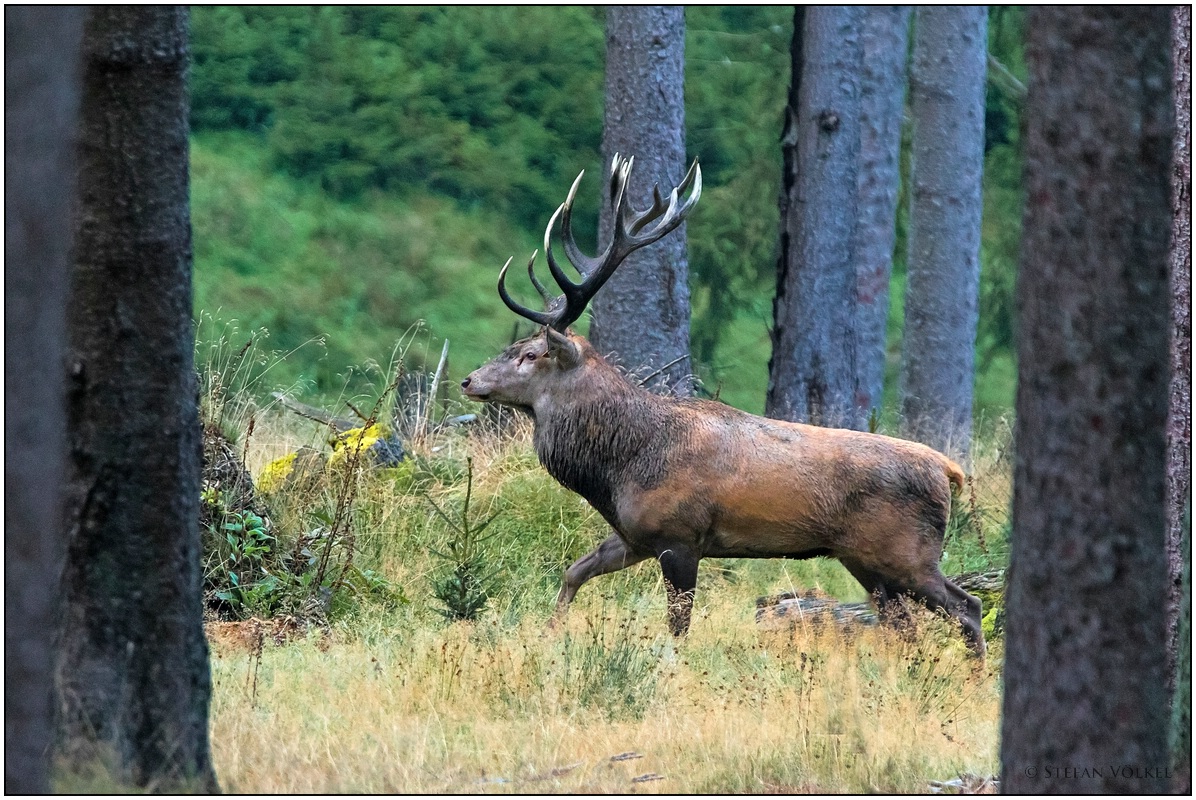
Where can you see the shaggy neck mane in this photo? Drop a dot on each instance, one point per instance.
(605, 433)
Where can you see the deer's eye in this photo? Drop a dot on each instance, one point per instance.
(529, 356)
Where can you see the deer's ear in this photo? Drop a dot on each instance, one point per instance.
(562, 348)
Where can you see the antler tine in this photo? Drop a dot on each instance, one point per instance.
(614, 179)
(585, 265)
(558, 274)
(658, 204)
(531, 273)
(616, 250)
(673, 214)
(658, 208)
(538, 317)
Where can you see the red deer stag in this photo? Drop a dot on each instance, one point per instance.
(680, 479)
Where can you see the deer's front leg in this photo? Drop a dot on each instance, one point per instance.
(610, 556)
(680, 567)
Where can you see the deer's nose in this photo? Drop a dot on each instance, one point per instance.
(465, 383)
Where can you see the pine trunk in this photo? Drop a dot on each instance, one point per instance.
(1179, 415)
(882, 106)
(1085, 647)
(41, 90)
(943, 269)
(813, 367)
(642, 313)
(788, 194)
(133, 679)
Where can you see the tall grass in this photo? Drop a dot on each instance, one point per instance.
(395, 704)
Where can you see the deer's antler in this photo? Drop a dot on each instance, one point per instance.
(632, 232)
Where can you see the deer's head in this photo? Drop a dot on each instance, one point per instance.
(549, 362)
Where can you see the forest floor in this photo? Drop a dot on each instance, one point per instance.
(609, 704)
(384, 694)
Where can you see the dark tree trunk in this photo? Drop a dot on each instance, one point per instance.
(41, 106)
(943, 268)
(882, 105)
(788, 194)
(812, 371)
(1085, 646)
(1179, 415)
(642, 314)
(133, 680)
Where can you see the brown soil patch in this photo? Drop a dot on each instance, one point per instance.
(250, 635)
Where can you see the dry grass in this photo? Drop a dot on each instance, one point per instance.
(399, 701)
(398, 707)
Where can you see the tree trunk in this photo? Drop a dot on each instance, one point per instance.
(788, 194)
(882, 105)
(1084, 664)
(642, 313)
(1179, 415)
(813, 366)
(133, 680)
(943, 269)
(41, 90)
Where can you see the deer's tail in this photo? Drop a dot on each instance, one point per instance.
(954, 475)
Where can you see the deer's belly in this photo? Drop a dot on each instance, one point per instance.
(763, 538)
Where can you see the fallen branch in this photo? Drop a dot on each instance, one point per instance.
(432, 390)
(675, 361)
(315, 414)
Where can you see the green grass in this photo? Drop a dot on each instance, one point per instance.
(341, 283)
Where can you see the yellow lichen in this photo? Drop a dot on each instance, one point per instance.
(357, 440)
(276, 473)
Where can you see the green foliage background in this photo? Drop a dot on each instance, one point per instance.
(357, 170)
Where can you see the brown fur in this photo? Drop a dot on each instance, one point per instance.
(682, 479)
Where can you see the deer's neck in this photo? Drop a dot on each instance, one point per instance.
(601, 436)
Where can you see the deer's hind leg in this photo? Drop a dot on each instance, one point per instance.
(940, 594)
(969, 612)
(907, 564)
(889, 606)
(611, 555)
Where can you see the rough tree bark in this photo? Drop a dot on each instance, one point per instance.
(788, 193)
(813, 366)
(1084, 674)
(41, 91)
(642, 313)
(132, 678)
(1179, 414)
(943, 268)
(882, 105)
